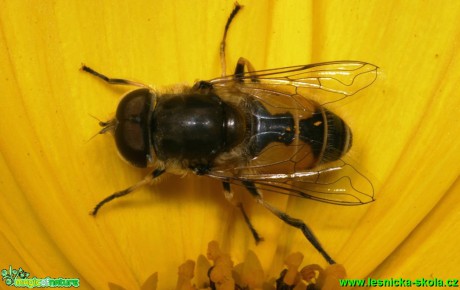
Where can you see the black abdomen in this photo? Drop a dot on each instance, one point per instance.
(267, 128)
(327, 134)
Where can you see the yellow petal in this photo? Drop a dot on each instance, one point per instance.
(405, 128)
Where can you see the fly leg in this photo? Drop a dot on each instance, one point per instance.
(113, 81)
(224, 38)
(229, 196)
(240, 68)
(147, 180)
(297, 223)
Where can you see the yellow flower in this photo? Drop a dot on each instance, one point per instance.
(406, 129)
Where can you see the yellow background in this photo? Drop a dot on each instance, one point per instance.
(406, 129)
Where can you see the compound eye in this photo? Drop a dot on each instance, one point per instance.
(132, 130)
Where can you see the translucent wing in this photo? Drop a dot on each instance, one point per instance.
(338, 183)
(325, 83)
(280, 168)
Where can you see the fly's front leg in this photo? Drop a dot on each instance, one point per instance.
(113, 81)
(229, 196)
(147, 180)
(297, 223)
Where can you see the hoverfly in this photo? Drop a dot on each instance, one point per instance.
(263, 130)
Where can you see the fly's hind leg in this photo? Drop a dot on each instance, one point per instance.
(297, 223)
(229, 196)
(113, 81)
